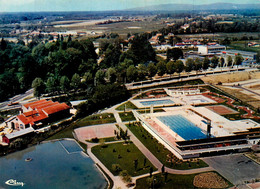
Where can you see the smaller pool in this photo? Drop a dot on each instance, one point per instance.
(198, 100)
(157, 102)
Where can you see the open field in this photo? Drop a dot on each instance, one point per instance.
(242, 45)
(238, 93)
(231, 77)
(124, 155)
(122, 28)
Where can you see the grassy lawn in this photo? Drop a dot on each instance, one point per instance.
(124, 155)
(127, 116)
(127, 105)
(96, 119)
(65, 133)
(172, 181)
(159, 151)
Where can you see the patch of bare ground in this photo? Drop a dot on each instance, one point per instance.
(209, 180)
(242, 96)
(231, 77)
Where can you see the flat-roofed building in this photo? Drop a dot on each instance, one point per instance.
(210, 49)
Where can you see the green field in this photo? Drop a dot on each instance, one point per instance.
(242, 45)
(124, 155)
(160, 152)
(127, 116)
(171, 181)
(96, 119)
(127, 105)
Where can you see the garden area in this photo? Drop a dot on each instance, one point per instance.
(118, 157)
(165, 180)
(160, 152)
(127, 116)
(127, 105)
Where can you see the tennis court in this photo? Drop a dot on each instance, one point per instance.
(97, 131)
(221, 109)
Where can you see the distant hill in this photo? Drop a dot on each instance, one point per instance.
(214, 6)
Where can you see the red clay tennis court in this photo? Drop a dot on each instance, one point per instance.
(97, 131)
(221, 109)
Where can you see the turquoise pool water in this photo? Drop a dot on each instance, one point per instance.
(52, 167)
(156, 102)
(183, 127)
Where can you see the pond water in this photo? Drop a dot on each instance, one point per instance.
(60, 164)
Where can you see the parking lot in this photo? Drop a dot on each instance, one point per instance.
(235, 168)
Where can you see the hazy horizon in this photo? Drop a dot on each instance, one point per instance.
(96, 5)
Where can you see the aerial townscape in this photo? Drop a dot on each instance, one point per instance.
(117, 94)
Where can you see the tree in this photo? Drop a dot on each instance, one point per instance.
(151, 69)
(238, 59)
(205, 63)
(111, 75)
(189, 65)
(125, 176)
(161, 68)
(136, 163)
(174, 54)
(258, 57)
(3, 44)
(75, 81)
(170, 67)
(179, 66)
(142, 71)
(64, 83)
(38, 86)
(141, 51)
(151, 171)
(88, 78)
(116, 168)
(214, 61)
(221, 62)
(131, 73)
(163, 169)
(145, 160)
(197, 65)
(51, 85)
(99, 77)
(229, 61)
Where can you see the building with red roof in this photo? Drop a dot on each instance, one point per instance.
(38, 113)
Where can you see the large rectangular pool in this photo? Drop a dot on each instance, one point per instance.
(156, 102)
(183, 127)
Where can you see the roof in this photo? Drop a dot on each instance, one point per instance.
(41, 110)
(19, 133)
(32, 117)
(55, 108)
(33, 103)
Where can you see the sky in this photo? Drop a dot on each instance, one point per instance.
(95, 5)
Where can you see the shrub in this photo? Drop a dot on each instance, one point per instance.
(125, 176)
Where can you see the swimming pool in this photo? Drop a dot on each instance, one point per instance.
(51, 167)
(156, 102)
(183, 127)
